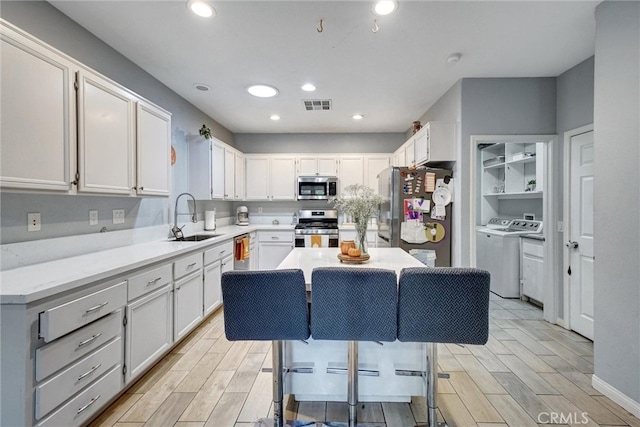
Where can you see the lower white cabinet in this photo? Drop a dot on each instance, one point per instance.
(273, 247)
(212, 292)
(532, 269)
(351, 235)
(187, 304)
(149, 330)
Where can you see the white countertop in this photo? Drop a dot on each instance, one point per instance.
(309, 258)
(31, 283)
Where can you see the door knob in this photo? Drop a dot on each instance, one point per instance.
(572, 245)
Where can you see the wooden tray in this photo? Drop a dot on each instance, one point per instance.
(354, 259)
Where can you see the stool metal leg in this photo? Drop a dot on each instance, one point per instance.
(432, 384)
(352, 382)
(278, 383)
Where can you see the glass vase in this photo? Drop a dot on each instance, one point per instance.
(361, 236)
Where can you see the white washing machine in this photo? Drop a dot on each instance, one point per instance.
(498, 251)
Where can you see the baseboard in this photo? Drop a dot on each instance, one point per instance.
(616, 395)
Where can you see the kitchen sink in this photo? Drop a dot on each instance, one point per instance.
(195, 238)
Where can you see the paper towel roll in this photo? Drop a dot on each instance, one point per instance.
(210, 220)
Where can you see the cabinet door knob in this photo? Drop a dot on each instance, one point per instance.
(572, 245)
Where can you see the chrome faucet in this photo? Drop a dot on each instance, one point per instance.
(177, 231)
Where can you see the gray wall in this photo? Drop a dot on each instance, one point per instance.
(319, 142)
(69, 215)
(617, 179)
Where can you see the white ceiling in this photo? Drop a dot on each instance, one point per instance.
(392, 77)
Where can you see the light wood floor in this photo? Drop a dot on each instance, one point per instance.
(528, 371)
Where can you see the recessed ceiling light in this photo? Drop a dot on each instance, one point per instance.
(201, 8)
(385, 7)
(308, 87)
(358, 117)
(275, 117)
(201, 86)
(262, 91)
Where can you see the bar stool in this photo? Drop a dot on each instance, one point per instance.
(442, 305)
(263, 306)
(353, 304)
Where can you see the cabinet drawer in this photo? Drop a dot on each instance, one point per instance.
(149, 281)
(533, 248)
(68, 317)
(218, 252)
(73, 379)
(82, 407)
(275, 236)
(187, 265)
(57, 355)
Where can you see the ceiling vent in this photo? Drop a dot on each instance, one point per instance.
(317, 104)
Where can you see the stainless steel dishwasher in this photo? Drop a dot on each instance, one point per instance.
(242, 252)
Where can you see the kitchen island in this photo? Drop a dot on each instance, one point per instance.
(377, 362)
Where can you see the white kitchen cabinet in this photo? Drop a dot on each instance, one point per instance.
(217, 172)
(317, 165)
(207, 168)
(149, 330)
(351, 171)
(216, 262)
(350, 234)
(106, 136)
(253, 250)
(229, 174)
(273, 247)
(532, 268)
(153, 150)
(435, 142)
(409, 153)
(374, 164)
(187, 304)
(270, 177)
(38, 126)
(240, 189)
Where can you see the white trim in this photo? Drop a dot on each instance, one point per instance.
(550, 191)
(566, 219)
(616, 395)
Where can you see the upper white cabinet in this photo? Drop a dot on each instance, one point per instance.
(399, 157)
(153, 148)
(37, 130)
(435, 142)
(209, 161)
(106, 133)
(229, 174)
(351, 171)
(270, 177)
(317, 165)
(373, 165)
(119, 144)
(240, 189)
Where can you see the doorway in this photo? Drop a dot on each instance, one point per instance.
(579, 257)
(548, 187)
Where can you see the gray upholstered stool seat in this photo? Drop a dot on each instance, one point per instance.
(442, 305)
(266, 305)
(353, 304)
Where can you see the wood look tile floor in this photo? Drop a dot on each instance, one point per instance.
(529, 371)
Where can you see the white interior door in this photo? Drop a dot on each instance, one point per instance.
(581, 256)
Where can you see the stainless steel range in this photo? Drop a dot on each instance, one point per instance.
(317, 228)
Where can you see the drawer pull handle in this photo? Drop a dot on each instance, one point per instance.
(152, 282)
(275, 237)
(88, 340)
(191, 265)
(223, 251)
(90, 371)
(97, 307)
(91, 402)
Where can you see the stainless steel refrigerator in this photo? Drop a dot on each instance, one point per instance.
(416, 211)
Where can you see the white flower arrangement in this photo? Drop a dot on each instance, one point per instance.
(360, 202)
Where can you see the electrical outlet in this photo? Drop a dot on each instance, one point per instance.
(118, 216)
(259, 209)
(34, 222)
(93, 217)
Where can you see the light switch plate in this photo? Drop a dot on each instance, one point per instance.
(93, 217)
(34, 221)
(118, 216)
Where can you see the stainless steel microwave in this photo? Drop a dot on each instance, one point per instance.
(317, 187)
